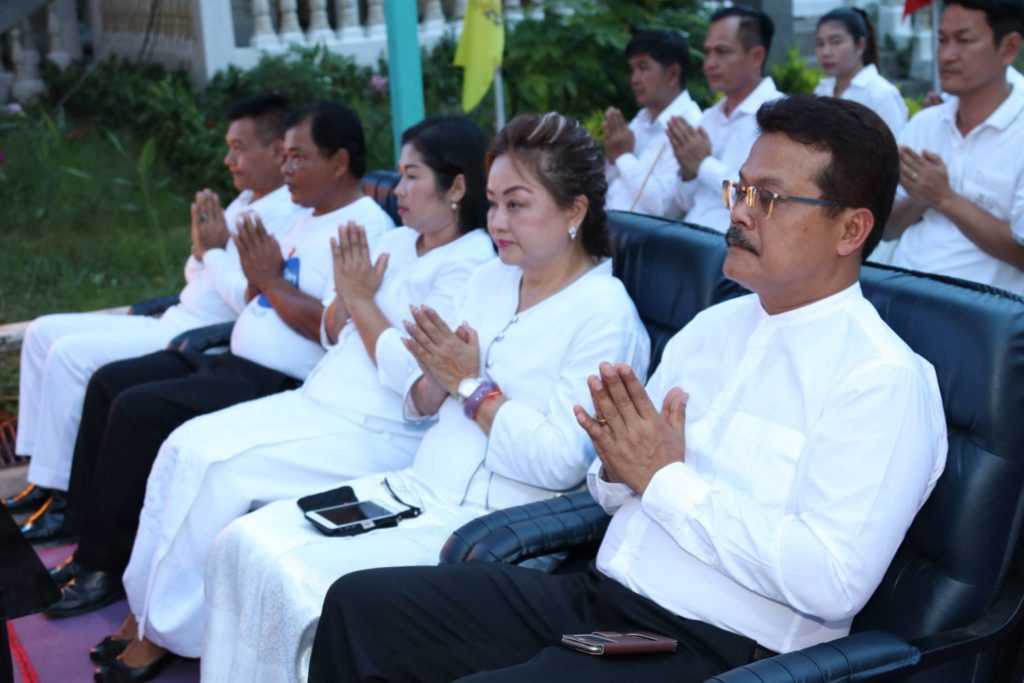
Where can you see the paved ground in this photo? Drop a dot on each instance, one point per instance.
(12, 479)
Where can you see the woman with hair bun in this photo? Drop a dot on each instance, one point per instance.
(501, 385)
(847, 51)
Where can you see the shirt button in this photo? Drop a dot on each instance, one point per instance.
(514, 320)
(499, 337)
(489, 364)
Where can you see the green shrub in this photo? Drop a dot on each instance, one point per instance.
(794, 76)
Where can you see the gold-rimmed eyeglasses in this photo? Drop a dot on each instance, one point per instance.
(765, 200)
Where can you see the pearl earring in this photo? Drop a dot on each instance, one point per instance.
(572, 232)
(455, 205)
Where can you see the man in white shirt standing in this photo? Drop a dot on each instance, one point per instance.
(735, 51)
(960, 211)
(759, 508)
(641, 170)
(60, 352)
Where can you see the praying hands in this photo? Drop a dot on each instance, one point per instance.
(632, 439)
(924, 177)
(209, 228)
(356, 278)
(691, 146)
(618, 138)
(447, 357)
(259, 253)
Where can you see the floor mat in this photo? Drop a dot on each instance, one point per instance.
(57, 650)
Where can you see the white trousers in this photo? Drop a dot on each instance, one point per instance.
(216, 468)
(269, 571)
(58, 356)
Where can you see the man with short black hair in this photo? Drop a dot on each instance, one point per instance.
(735, 52)
(760, 485)
(132, 406)
(60, 352)
(960, 210)
(641, 171)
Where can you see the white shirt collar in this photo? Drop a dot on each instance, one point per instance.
(764, 91)
(813, 310)
(1004, 115)
(865, 76)
(676, 107)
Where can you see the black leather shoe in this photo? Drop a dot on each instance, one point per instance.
(48, 522)
(30, 497)
(116, 672)
(88, 591)
(65, 571)
(107, 650)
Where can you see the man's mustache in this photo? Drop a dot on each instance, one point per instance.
(734, 237)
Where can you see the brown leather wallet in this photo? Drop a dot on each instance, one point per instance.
(616, 643)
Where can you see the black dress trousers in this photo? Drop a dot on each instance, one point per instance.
(493, 623)
(130, 407)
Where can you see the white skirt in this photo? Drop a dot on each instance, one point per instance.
(216, 468)
(268, 573)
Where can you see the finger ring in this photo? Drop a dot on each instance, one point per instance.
(913, 176)
(600, 420)
(202, 217)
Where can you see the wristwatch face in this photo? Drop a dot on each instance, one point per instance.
(467, 387)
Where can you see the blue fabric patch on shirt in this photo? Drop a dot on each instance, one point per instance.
(291, 275)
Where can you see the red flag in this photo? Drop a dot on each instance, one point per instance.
(911, 6)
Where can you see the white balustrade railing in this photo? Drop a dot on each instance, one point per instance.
(201, 34)
(52, 24)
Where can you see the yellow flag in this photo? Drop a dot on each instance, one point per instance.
(480, 48)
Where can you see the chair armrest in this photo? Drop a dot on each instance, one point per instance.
(154, 306)
(858, 657)
(202, 338)
(526, 531)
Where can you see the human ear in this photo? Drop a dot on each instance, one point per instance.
(578, 210)
(458, 189)
(277, 151)
(1009, 48)
(340, 159)
(856, 228)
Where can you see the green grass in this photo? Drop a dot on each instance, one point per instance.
(87, 218)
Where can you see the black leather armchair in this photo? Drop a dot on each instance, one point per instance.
(950, 607)
(381, 186)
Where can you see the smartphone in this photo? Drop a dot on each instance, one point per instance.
(616, 643)
(353, 518)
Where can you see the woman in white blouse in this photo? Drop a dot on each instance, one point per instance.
(345, 421)
(847, 51)
(502, 384)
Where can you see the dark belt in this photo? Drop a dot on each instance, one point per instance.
(760, 653)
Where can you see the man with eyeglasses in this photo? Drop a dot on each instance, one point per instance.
(132, 406)
(759, 486)
(960, 210)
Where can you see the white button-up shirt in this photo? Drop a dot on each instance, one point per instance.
(540, 358)
(871, 89)
(347, 379)
(987, 167)
(652, 150)
(732, 137)
(812, 439)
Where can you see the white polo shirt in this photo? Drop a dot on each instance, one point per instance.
(626, 188)
(987, 167)
(871, 89)
(732, 136)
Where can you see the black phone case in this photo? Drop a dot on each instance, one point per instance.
(326, 499)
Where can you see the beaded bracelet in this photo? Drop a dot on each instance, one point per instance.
(490, 396)
(472, 404)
